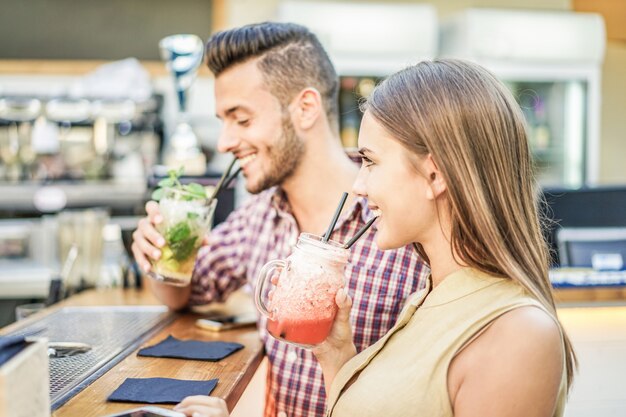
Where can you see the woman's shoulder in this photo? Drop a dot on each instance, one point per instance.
(521, 331)
(530, 319)
(525, 329)
(520, 353)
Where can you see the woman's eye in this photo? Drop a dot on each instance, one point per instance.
(366, 162)
(244, 122)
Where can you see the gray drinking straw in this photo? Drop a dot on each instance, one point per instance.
(333, 222)
(359, 233)
(218, 187)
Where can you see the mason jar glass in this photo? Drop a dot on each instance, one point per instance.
(302, 308)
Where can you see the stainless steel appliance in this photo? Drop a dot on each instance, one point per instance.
(66, 139)
(183, 56)
(552, 63)
(25, 260)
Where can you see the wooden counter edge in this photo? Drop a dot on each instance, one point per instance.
(137, 297)
(235, 394)
(589, 294)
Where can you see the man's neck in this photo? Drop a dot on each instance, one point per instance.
(315, 188)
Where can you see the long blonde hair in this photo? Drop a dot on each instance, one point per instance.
(471, 125)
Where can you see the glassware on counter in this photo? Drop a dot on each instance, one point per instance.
(83, 229)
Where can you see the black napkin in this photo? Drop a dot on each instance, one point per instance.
(160, 390)
(190, 349)
(10, 346)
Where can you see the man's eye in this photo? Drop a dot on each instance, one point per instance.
(366, 162)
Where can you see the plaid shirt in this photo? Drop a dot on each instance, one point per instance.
(264, 229)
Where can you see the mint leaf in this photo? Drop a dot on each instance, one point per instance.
(191, 215)
(195, 189)
(192, 191)
(175, 174)
(178, 232)
(167, 182)
(183, 249)
(157, 194)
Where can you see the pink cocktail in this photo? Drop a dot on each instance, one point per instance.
(302, 308)
(303, 332)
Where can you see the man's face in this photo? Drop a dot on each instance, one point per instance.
(256, 128)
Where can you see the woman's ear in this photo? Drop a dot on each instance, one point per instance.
(306, 108)
(437, 184)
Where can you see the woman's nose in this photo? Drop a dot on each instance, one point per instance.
(359, 186)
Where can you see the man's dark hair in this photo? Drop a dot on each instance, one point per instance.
(291, 58)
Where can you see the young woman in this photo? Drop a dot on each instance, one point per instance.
(446, 166)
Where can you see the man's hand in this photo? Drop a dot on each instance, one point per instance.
(147, 241)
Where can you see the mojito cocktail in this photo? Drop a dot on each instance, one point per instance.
(186, 219)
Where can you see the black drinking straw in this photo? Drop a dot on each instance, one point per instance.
(231, 178)
(359, 233)
(219, 185)
(333, 222)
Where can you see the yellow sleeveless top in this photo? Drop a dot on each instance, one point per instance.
(405, 373)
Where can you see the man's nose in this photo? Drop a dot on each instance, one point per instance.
(227, 142)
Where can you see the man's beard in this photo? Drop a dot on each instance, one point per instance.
(285, 156)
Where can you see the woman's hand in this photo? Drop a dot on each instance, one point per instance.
(338, 348)
(202, 406)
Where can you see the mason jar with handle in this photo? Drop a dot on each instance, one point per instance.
(302, 307)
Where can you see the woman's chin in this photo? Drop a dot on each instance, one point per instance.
(383, 243)
(386, 242)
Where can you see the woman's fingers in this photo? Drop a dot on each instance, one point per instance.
(338, 346)
(275, 277)
(341, 331)
(202, 411)
(203, 400)
(344, 302)
(202, 406)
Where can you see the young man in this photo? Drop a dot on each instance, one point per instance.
(276, 93)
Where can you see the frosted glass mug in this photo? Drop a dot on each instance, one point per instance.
(302, 308)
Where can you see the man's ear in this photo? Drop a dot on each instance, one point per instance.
(306, 108)
(437, 184)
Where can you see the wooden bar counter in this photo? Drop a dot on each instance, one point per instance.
(234, 372)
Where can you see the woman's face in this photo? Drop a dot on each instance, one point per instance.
(396, 191)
